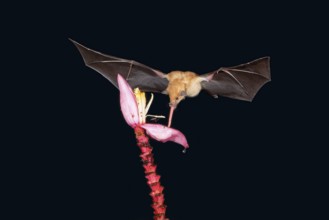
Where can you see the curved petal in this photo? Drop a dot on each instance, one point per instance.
(164, 134)
(128, 102)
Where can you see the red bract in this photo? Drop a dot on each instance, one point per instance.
(153, 178)
(149, 168)
(164, 134)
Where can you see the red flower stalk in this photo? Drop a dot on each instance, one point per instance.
(150, 173)
(134, 110)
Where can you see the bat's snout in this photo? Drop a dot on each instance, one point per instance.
(173, 105)
(174, 102)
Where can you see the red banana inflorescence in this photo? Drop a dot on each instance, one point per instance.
(153, 179)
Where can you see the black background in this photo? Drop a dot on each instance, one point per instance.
(72, 156)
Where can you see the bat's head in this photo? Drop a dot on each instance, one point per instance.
(175, 99)
(177, 88)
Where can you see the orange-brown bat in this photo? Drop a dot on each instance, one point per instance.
(239, 82)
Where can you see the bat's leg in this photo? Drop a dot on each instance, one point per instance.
(172, 108)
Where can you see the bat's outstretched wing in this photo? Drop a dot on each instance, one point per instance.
(136, 74)
(238, 82)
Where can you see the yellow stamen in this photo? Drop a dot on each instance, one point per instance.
(149, 104)
(141, 102)
(142, 107)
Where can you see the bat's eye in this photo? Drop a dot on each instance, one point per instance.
(177, 98)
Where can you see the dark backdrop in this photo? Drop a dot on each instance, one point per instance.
(72, 156)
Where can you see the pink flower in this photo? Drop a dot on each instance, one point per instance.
(134, 110)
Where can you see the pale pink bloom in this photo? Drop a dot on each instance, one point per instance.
(135, 115)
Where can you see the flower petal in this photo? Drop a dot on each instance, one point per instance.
(164, 134)
(128, 102)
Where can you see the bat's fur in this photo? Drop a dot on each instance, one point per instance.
(182, 84)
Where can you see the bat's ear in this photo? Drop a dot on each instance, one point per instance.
(183, 93)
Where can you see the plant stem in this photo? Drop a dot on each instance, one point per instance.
(150, 173)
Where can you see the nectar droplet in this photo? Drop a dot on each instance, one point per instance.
(184, 151)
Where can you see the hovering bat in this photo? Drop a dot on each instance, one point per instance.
(239, 82)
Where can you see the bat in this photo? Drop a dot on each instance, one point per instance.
(240, 82)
